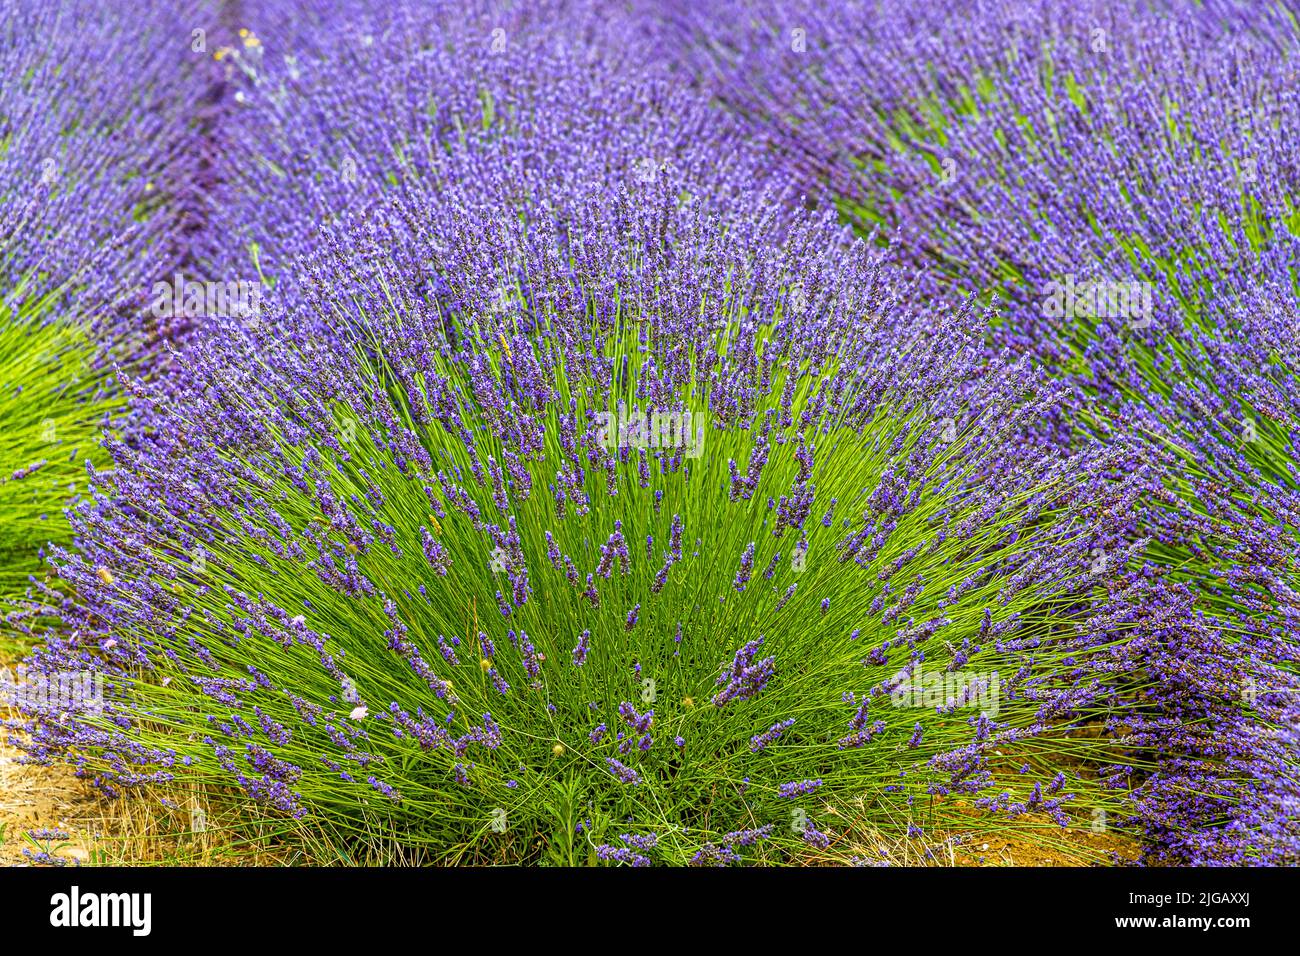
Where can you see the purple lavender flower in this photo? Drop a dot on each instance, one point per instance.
(797, 788)
(773, 733)
(744, 677)
(624, 773)
(580, 649)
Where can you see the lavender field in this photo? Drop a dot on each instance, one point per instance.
(710, 433)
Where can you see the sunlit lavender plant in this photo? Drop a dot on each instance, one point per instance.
(426, 574)
(85, 154)
(1016, 147)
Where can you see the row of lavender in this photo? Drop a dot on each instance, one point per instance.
(97, 170)
(403, 539)
(1017, 148)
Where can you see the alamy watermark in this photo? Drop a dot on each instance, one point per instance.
(187, 298)
(948, 689)
(74, 909)
(1101, 299)
(649, 430)
(62, 691)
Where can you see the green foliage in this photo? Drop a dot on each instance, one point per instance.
(961, 557)
(52, 408)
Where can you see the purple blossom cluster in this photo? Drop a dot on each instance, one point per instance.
(101, 168)
(773, 733)
(744, 677)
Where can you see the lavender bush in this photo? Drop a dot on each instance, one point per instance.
(1137, 158)
(87, 161)
(436, 576)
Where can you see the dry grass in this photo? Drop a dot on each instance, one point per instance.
(970, 838)
(226, 831)
(36, 798)
(192, 829)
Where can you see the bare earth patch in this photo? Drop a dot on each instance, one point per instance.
(143, 832)
(44, 798)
